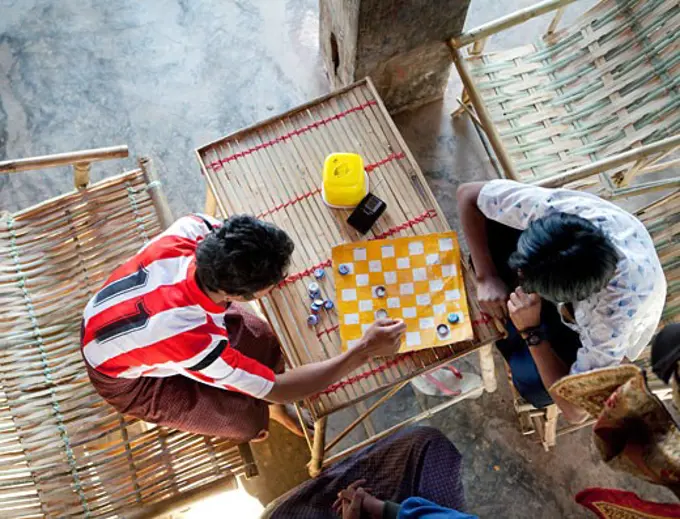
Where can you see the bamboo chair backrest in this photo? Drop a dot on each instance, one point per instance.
(589, 91)
(64, 452)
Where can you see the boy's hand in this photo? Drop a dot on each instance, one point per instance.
(356, 496)
(383, 338)
(524, 309)
(492, 294)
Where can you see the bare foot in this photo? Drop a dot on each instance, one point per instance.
(286, 416)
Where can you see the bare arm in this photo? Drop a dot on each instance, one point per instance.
(492, 292)
(474, 227)
(381, 339)
(525, 312)
(308, 380)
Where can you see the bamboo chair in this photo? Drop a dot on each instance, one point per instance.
(579, 95)
(64, 452)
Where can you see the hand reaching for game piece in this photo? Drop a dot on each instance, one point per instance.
(383, 338)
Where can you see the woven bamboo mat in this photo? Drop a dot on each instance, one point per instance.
(608, 83)
(273, 170)
(64, 452)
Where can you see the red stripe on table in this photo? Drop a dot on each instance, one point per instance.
(304, 196)
(307, 272)
(327, 330)
(315, 124)
(430, 213)
(485, 319)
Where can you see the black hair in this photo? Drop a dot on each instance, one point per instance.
(564, 258)
(243, 256)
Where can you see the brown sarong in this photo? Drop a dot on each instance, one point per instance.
(185, 404)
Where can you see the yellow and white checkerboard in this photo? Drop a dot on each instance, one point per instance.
(423, 281)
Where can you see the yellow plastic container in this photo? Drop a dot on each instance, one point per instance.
(345, 183)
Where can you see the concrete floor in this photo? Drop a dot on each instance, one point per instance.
(167, 76)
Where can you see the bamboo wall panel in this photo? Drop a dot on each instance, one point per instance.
(64, 452)
(273, 170)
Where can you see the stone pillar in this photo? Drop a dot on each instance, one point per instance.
(400, 44)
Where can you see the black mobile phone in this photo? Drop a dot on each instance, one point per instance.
(366, 213)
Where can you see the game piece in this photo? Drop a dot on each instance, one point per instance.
(319, 273)
(318, 302)
(315, 308)
(380, 291)
(453, 318)
(442, 330)
(313, 288)
(328, 304)
(343, 270)
(313, 320)
(423, 282)
(381, 313)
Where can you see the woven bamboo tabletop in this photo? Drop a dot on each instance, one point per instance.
(273, 170)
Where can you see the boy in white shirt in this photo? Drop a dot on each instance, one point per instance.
(575, 278)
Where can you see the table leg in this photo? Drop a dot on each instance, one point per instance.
(487, 367)
(318, 450)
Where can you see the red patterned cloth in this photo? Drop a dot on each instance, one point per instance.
(608, 503)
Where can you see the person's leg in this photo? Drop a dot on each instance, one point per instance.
(418, 461)
(189, 405)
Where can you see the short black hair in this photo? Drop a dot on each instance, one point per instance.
(243, 256)
(564, 258)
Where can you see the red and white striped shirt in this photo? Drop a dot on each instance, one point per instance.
(151, 319)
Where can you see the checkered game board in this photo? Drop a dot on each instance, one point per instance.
(423, 284)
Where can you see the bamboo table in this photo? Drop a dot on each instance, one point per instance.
(273, 170)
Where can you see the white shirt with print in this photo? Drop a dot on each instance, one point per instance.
(620, 320)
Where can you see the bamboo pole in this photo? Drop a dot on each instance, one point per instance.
(156, 192)
(610, 162)
(508, 21)
(210, 206)
(317, 461)
(365, 414)
(553, 24)
(647, 187)
(484, 116)
(414, 419)
(488, 368)
(64, 159)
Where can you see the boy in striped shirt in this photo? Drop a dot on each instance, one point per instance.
(166, 341)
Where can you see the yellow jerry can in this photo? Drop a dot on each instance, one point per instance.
(345, 183)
